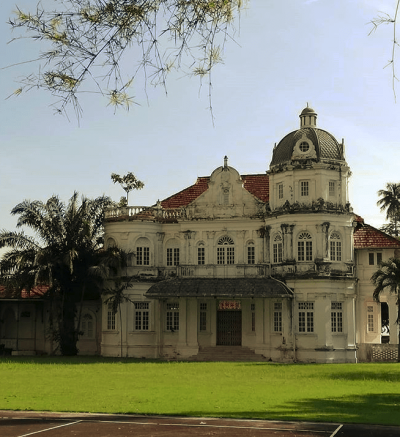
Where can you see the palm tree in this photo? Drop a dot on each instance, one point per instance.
(388, 277)
(390, 201)
(116, 261)
(64, 253)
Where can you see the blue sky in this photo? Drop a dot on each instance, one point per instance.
(287, 53)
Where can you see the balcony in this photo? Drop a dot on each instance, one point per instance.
(318, 268)
(224, 271)
(201, 271)
(144, 212)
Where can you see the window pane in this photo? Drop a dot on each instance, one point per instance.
(371, 259)
(220, 255)
(230, 255)
(200, 255)
(250, 255)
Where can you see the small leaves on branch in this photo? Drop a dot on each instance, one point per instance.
(103, 46)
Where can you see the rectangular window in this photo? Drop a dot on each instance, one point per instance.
(226, 255)
(306, 317)
(220, 255)
(251, 255)
(173, 256)
(172, 317)
(336, 317)
(304, 250)
(141, 316)
(371, 259)
(332, 190)
(300, 250)
(370, 319)
(142, 256)
(277, 250)
(280, 191)
(304, 191)
(378, 258)
(203, 317)
(277, 316)
(110, 317)
(308, 250)
(200, 255)
(230, 255)
(336, 250)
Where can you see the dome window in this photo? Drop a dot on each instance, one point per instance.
(304, 147)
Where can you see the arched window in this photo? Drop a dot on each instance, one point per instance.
(251, 253)
(201, 253)
(142, 252)
(335, 246)
(110, 243)
(225, 251)
(87, 326)
(304, 247)
(277, 249)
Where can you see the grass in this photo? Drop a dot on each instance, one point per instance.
(352, 393)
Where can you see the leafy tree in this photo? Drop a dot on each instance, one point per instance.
(65, 253)
(388, 277)
(128, 183)
(87, 44)
(390, 201)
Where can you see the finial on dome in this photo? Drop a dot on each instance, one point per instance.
(308, 117)
(225, 161)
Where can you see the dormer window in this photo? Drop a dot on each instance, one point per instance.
(304, 147)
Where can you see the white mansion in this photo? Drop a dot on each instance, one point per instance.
(275, 264)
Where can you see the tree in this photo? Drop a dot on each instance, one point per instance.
(65, 253)
(115, 291)
(390, 201)
(128, 183)
(88, 41)
(388, 277)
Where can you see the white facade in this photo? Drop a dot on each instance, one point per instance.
(270, 259)
(277, 263)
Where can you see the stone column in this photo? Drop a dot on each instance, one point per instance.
(210, 247)
(267, 247)
(182, 337)
(188, 256)
(159, 260)
(350, 309)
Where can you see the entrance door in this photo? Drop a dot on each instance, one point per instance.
(229, 328)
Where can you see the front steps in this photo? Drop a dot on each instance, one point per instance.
(227, 353)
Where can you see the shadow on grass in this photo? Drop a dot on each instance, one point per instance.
(380, 409)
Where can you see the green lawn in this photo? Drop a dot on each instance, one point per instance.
(359, 393)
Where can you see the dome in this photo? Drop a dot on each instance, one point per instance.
(307, 143)
(307, 111)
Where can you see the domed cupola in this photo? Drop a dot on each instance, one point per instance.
(307, 144)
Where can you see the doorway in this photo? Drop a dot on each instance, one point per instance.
(229, 328)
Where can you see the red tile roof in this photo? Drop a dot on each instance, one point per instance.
(35, 293)
(186, 196)
(368, 237)
(257, 184)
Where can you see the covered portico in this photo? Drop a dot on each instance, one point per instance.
(195, 313)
